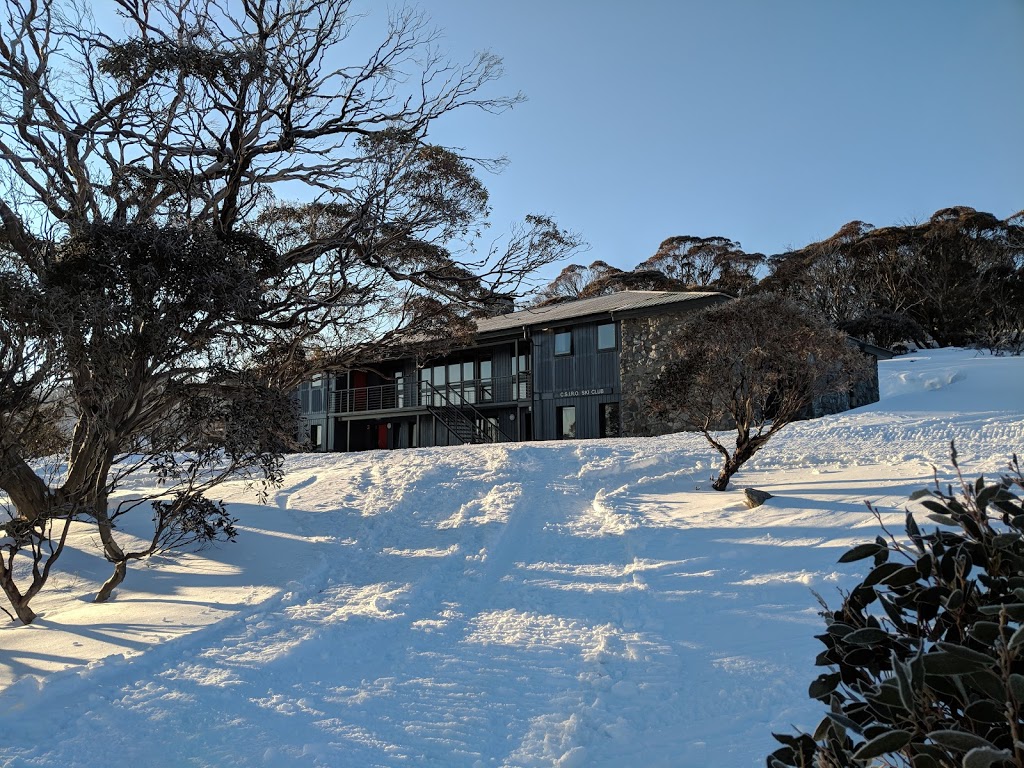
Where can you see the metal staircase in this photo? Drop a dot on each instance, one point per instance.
(462, 420)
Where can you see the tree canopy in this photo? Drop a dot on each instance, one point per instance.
(200, 204)
(956, 279)
(953, 280)
(753, 365)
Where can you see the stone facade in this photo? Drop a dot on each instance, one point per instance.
(862, 392)
(645, 344)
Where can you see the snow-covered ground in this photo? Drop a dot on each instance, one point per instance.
(586, 603)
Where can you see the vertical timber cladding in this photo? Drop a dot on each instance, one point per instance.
(584, 379)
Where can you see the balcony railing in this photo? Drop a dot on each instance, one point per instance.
(499, 389)
(378, 398)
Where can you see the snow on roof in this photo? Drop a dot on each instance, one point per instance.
(623, 301)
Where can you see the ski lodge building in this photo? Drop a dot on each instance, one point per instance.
(570, 370)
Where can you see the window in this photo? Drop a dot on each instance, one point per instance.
(606, 336)
(438, 379)
(563, 342)
(424, 386)
(486, 385)
(455, 383)
(521, 376)
(400, 389)
(609, 418)
(469, 390)
(314, 436)
(566, 424)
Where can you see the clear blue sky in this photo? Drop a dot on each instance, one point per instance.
(772, 123)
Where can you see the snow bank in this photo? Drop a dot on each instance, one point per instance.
(563, 604)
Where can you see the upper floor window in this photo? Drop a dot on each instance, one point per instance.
(311, 396)
(563, 342)
(486, 383)
(521, 364)
(606, 336)
(400, 389)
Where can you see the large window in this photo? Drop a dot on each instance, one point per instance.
(468, 376)
(424, 386)
(563, 342)
(566, 416)
(311, 395)
(606, 336)
(457, 383)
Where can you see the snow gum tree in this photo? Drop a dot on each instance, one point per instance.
(952, 280)
(754, 365)
(201, 203)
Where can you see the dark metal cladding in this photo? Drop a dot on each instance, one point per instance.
(545, 373)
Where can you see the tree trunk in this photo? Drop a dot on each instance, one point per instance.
(25, 614)
(26, 490)
(17, 600)
(728, 470)
(120, 571)
(745, 449)
(111, 550)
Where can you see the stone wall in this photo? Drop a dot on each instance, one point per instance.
(862, 392)
(645, 342)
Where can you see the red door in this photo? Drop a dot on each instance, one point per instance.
(359, 390)
(382, 436)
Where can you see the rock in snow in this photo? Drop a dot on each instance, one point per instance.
(755, 498)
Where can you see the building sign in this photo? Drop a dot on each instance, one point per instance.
(584, 392)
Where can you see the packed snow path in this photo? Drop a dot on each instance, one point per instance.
(572, 604)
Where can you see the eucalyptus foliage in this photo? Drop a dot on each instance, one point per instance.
(926, 653)
(201, 204)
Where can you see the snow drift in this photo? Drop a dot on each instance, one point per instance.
(586, 603)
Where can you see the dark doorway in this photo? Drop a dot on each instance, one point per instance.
(609, 417)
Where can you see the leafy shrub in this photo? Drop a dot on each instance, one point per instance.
(926, 654)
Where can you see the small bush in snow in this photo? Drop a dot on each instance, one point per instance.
(926, 654)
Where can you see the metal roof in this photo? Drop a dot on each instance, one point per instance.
(623, 301)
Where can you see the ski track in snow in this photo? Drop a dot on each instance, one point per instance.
(566, 604)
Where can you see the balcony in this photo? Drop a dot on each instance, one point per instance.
(477, 392)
